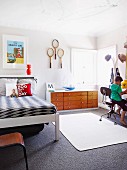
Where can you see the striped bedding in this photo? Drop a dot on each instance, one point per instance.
(24, 106)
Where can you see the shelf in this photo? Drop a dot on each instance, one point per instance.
(4, 76)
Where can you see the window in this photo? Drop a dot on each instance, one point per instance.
(84, 66)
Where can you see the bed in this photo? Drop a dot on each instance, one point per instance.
(27, 110)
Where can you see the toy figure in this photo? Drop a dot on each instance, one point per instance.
(14, 94)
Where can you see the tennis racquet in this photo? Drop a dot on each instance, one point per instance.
(60, 54)
(55, 44)
(50, 53)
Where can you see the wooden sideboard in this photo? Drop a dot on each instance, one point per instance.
(69, 100)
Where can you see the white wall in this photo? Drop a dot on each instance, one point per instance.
(117, 37)
(38, 42)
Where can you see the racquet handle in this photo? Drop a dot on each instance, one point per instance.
(50, 62)
(55, 53)
(61, 62)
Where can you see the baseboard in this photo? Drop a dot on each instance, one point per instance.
(77, 110)
(103, 106)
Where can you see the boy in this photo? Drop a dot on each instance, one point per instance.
(116, 92)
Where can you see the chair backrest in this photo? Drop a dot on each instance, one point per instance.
(105, 91)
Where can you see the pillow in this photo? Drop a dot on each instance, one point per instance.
(24, 90)
(29, 81)
(3, 82)
(10, 87)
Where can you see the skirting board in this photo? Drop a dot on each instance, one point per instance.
(74, 110)
(104, 106)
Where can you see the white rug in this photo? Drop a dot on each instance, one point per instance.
(85, 131)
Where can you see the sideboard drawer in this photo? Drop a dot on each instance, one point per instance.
(56, 94)
(83, 105)
(68, 103)
(60, 108)
(72, 107)
(90, 97)
(92, 93)
(56, 99)
(68, 94)
(95, 96)
(73, 98)
(59, 105)
(83, 98)
(84, 93)
(90, 101)
(95, 103)
(90, 105)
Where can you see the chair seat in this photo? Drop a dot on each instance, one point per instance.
(11, 139)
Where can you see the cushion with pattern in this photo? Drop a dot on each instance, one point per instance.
(24, 90)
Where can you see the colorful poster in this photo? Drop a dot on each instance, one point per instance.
(15, 52)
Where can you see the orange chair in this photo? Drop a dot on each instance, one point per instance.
(13, 139)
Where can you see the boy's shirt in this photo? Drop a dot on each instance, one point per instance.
(115, 92)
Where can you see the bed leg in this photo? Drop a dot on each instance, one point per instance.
(57, 127)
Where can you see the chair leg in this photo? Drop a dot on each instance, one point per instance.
(109, 115)
(104, 115)
(114, 118)
(25, 156)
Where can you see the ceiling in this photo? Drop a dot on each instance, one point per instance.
(85, 17)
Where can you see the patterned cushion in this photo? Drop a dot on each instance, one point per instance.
(29, 81)
(10, 87)
(24, 90)
(3, 82)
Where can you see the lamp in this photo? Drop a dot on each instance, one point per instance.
(109, 57)
(122, 58)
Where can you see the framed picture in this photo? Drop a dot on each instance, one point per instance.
(14, 52)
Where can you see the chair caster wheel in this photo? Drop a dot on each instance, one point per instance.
(115, 123)
(100, 119)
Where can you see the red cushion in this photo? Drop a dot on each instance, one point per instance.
(24, 90)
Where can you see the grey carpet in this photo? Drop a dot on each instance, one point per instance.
(45, 154)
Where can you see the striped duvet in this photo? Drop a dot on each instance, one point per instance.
(24, 106)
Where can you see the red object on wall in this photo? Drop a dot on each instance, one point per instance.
(28, 71)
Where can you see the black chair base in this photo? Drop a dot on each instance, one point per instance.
(109, 114)
(107, 92)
